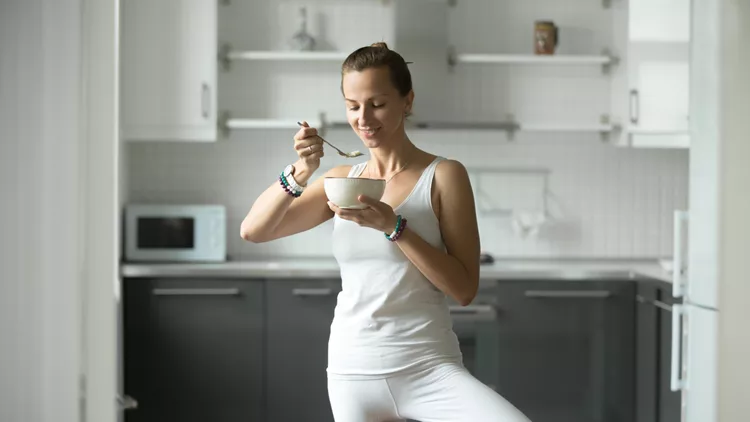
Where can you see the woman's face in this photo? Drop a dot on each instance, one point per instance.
(374, 107)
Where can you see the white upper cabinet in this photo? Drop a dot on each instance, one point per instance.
(658, 91)
(169, 70)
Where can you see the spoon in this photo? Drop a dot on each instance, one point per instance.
(352, 154)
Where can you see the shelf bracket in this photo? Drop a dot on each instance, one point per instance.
(613, 61)
(452, 3)
(606, 4)
(451, 58)
(223, 125)
(606, 135)
(223, 57)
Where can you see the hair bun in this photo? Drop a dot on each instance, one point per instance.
(379, 45)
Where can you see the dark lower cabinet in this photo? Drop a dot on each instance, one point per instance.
(194, 350)
(254, 350)
(656, 402)
(566, 349)
(298, 326)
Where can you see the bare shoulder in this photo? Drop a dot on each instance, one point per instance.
(451, 174)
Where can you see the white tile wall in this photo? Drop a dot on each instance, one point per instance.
(605, 201)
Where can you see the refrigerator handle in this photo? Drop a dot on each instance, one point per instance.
(678, 281)
(676, 383)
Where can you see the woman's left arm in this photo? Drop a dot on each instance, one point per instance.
(456, 271)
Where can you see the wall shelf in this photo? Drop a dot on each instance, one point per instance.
(227, 55)
(227, 124)
(605, 60)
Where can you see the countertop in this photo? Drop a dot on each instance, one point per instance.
(501, 269)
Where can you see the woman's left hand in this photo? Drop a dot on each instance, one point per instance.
(378, 215)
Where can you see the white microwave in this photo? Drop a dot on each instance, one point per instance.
(185, 233)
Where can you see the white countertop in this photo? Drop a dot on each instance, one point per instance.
(508, 269)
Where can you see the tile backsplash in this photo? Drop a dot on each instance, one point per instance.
(601, 200)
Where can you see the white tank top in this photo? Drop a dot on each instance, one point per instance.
(389, 317)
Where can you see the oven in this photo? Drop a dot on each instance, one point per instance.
(476, 327)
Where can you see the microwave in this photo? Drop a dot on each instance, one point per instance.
(185, 233)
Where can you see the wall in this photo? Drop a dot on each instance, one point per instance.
(604, 200)
(40, 252)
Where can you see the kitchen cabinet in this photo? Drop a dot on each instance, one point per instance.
(566, 349)
(658, 56)
(299, 320)
(655, 400)
(169, 70)
(194, 349)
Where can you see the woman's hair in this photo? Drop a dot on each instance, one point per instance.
(379, 55)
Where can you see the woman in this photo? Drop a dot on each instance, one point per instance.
(392, 353)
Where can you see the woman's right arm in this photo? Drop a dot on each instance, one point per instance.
(276, 214)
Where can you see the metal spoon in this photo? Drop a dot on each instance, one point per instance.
(352, 154)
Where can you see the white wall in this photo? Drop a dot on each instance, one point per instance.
(610, 202)
(58, 219)
(734, 206)
(40, 256)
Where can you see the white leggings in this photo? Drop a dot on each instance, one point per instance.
(446, 392)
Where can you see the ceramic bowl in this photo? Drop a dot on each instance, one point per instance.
(344, 191)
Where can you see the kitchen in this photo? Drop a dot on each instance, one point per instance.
(580, 316)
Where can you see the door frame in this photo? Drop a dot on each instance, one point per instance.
(100, 187)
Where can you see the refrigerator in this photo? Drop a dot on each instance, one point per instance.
(697, 247)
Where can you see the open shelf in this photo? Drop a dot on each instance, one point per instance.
(227, 55)
(229, 124)
(605, 60)
(532, 59)
(288, 55)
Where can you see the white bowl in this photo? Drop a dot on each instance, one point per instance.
(344, 191)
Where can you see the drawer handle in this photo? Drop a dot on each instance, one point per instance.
(196, 292)
(473, 313)
(661, 305)
(126, 402)
(568, 294)
(472, 310)
(324, 291)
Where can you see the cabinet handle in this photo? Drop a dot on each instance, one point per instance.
(678, 286)
(676, 383)
(635, 107)
(324, 291)
(473, 313)
(661, 305)
(196, 292)
(205, 100)
(126, 402)
(568, 294)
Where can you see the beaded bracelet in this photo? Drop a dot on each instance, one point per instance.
(285, 185)
(398, 231)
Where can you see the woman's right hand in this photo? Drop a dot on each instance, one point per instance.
(309, 148)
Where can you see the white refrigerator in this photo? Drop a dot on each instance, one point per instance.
(718, 79)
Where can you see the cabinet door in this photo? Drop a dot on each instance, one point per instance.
(658, 73)
(647, 354)
(169, 67)
(566, 349)
(193, 350)
(299, 322)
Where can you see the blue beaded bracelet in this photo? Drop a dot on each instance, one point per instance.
(285, 185)
(396, 234)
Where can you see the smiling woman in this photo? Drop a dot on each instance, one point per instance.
(392, 350)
